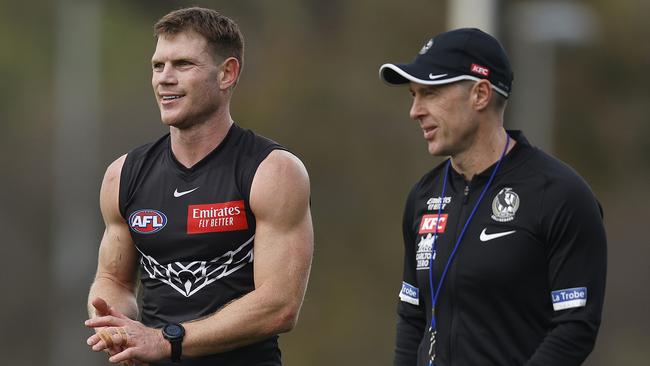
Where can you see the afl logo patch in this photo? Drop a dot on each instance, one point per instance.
(147, 221)
(505, 205)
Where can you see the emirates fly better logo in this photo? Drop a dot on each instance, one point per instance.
(216, 217)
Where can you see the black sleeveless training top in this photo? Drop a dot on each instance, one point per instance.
(194, 230)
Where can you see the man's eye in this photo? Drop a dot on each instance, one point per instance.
(157, 66)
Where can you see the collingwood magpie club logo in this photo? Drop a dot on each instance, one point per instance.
(505, 205)
(426, 47)
(189, 277)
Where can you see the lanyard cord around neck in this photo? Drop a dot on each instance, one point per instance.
(435, 294)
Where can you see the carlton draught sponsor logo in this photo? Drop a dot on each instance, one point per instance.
(429, 223)
(216, 217)
(423, 254)
(147, 221)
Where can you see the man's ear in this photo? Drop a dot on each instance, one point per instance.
(228, 73)
(481, 94)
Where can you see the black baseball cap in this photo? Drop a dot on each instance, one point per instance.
(459, 54)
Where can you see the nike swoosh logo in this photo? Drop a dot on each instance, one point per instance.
(179, 194)
(432, 77)
(485, 236)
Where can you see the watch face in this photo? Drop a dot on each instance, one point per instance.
(173, 330)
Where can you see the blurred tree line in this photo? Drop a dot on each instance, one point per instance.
(310, 81)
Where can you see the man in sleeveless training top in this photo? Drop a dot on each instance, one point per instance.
(505, 251)
(213, 218)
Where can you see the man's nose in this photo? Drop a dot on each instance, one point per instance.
(167, 75)
(416, 110)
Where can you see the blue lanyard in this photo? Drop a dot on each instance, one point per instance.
(435, 294)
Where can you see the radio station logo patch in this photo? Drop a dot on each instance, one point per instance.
(505, 205)
(569, 298)
(216, 217)
(147, 221)
(429, 223)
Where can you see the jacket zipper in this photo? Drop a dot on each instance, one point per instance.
(466, 193)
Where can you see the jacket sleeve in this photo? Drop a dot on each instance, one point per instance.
(411, 318)
(577, 262)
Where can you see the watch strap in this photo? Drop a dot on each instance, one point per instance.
(177, 349)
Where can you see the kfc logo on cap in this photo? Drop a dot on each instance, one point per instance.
(481, 70)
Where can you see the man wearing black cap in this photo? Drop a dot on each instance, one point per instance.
(505, 250)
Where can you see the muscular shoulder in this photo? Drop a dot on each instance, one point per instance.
(281, 182)
(112, 175)
(280, 162)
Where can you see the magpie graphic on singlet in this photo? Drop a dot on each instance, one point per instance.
(190, 277)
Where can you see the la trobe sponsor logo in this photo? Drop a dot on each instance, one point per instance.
(147, 221)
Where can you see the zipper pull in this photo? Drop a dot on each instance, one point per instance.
(466, 194)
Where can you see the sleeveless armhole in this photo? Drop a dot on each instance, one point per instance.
(247, 183)
(133, 169)
(126, 178)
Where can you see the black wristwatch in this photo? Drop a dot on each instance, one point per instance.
(174, 333)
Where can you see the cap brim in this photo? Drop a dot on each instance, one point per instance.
(400, 74)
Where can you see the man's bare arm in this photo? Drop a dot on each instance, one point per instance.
(115, 280)
(282, 259)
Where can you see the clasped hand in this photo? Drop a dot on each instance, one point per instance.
(125, 340)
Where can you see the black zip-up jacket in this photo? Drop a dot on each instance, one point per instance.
(527, 283)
